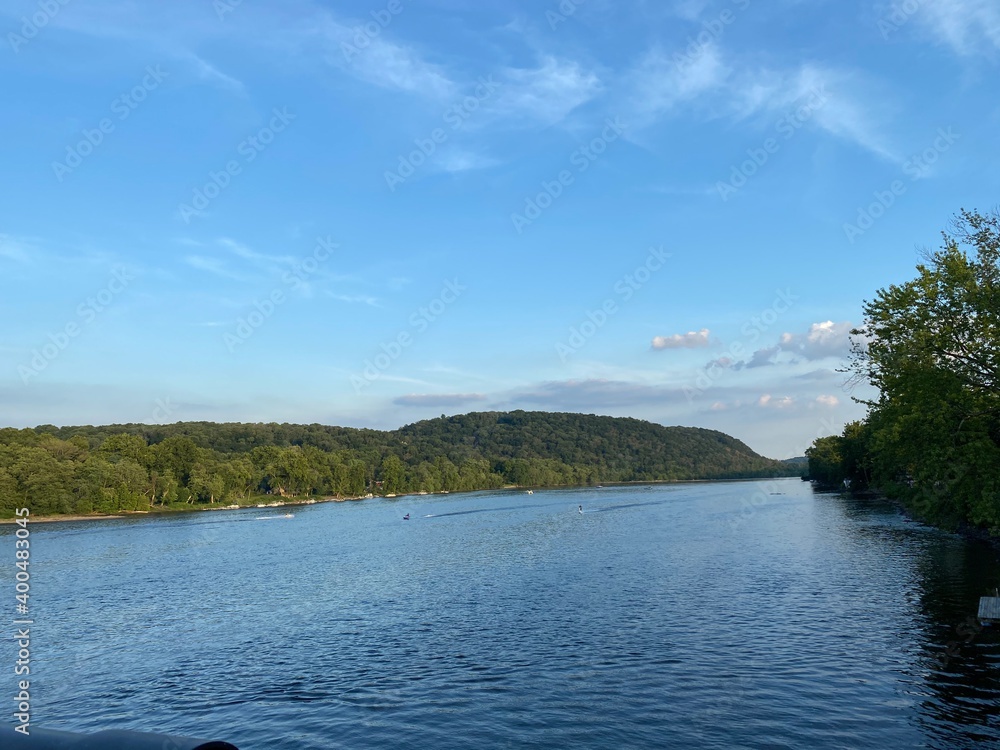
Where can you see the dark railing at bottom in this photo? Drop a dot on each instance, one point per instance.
(116, 739)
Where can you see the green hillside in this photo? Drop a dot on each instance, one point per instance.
(140, 467)
(612, 448)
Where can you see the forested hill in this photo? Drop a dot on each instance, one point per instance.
(613, 448)
(136, 467)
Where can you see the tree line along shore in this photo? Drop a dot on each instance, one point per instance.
(931, 348)
(131, 468)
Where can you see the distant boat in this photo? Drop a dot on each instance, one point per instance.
(529, 492)
(406, 517)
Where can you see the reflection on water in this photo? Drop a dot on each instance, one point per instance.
(955, 676)
(722, 615)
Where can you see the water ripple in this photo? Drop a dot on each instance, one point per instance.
(664, 616)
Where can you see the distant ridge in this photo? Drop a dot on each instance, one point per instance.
(618, 448)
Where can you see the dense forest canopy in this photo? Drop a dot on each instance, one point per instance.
(137, 467)
(931, 347)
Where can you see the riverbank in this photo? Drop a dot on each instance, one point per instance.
(258, 501)
(67, 518)
(174, 510)
(969, 533)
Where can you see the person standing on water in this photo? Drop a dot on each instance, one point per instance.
(581, 509)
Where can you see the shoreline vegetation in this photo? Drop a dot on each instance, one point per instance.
(931, 349)
(132, 469)
(293, 502)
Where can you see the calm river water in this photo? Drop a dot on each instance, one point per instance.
(688, 616)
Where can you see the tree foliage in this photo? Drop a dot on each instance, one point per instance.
(134, 467)
(931, 346)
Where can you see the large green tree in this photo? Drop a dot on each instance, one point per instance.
(931, 346)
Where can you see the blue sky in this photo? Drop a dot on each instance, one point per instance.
(372, 213)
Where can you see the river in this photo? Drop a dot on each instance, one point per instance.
(719, 615)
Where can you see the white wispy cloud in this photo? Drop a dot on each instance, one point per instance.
(180, 30)
(169, 32)
(967, 26)
(841, 102)
(243, 251)
(660, 82)
(303, 272)
(401, 379)
(363, 299)
(214, 266)
(381, 61)
(252, 264)
(546, 93)
(689, 340)
(210, 73)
